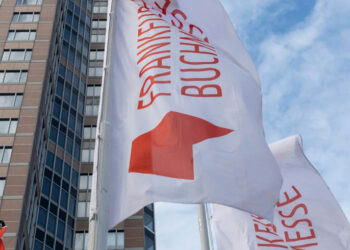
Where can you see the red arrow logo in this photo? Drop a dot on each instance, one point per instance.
(166, 150)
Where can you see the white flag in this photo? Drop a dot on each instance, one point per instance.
(306, 217)
(181, 115)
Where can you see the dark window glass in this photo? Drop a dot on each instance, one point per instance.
(69, 17)
(56, 110)
(149, 241)
(58, 246)
(66, 32)
(74, 98)
(64, 199)
(66, 172)
(60, 230)
(48, 173)
(69, 76)
(62, 70)
(69, 147)
(59, 88)
(42, 217)
(76, 82)
(49, 241)
(75, 22)
(57, 179)
(58, 165)
(74, 178)
(46, 187)
(63, 215)
(44, 202)
(53, 133)
(71, 55)
(73, 192)
(69, 237)
(55, 193)
(64, 115)
(53, 208)
(38, 245)
(70, 222)
(73, 38)
(51, 224)
(67, 91)
(61, 139)
(40, 235)
(72, 120)
(65, 186)
(49, 159)
(71, 205)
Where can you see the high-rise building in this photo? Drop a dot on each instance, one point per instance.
(51, 57)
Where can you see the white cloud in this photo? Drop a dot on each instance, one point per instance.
(306, 86)
(305, 76)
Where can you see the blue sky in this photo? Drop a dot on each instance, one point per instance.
(302, 52)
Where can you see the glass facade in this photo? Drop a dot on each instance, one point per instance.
(54, 209)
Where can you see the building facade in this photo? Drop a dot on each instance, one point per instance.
(51, 57)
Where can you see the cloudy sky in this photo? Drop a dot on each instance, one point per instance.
(302, 51)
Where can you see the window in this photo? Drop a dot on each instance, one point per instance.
(96, 55)
(93, 91)
(5, 154)
(25, 17)
(100, 7)
(85, 181)
(16, 55)
(8, 126)
(2, 185)
(10, 100)
(149, 240)
(81, 240)
(95, 71)
(98, 38)
(115, 240)
(13, 76)
(21, 35)
(89, 132)
(148, 221)
(91, 110)
(99, 24)
(83, 209)
(87, 155)
(29, 2)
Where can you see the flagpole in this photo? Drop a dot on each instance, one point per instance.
(203, 227)
(98, 229)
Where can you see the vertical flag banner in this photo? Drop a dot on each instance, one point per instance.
(307, 215)
(181, 113)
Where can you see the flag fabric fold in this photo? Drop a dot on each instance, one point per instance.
(307, 215)
(181, 115)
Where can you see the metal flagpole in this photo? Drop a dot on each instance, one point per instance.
(203, 227)
(98, 230)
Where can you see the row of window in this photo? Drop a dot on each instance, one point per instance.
(13, 76)
(10, 100)
(29, 2)
(115, 240)
(25, 17)
(5, 154)
(16, 55)
(8, 126)
(100, 7)
(21, 35)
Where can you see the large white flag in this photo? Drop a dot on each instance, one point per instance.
(306, 217)
(181, 115)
